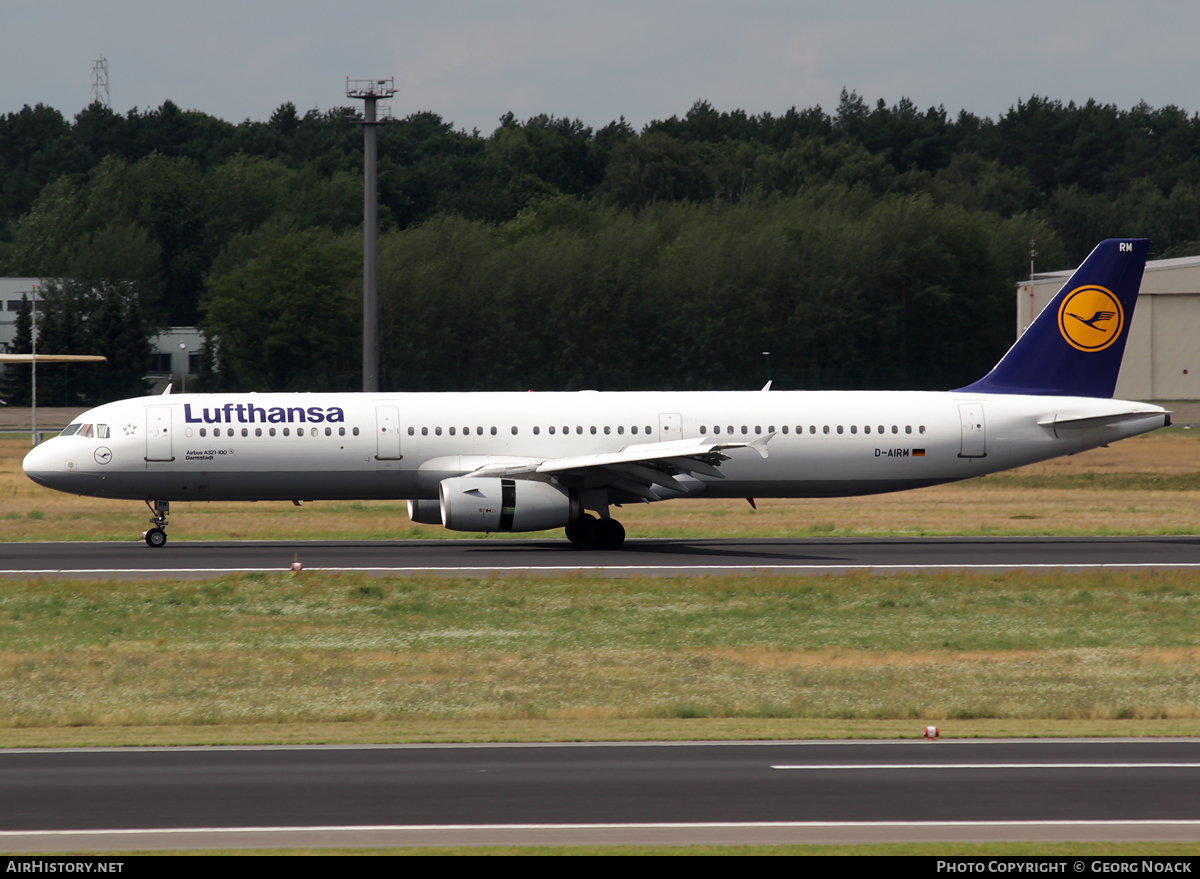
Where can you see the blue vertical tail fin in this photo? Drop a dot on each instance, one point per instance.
(1074, 347)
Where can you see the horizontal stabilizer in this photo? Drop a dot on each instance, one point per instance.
(1084, 422)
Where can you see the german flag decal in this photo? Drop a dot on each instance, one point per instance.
(918, 453)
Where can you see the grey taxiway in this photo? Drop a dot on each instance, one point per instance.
(639, 557)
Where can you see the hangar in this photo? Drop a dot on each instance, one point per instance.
(1162, 356)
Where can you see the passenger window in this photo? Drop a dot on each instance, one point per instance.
(785, 428)
(411, 431)
(647, 430)
(840, 429)
(452, 431)
(203, 432)
(745, 430)
(551, 430)
(703, 430)
(342, 431)
(758, 428)
(286, 432)
(621, 429)
(633, 429)
(438, 431)
(246, 431)
(329, 431)
(536, 431)
(908, 428)
(579, 428)
(258, 431)
(424, 431)
(514, 430)
(867, 429)
(881, 428)
(493, 431)
(607, 430)
(356, 431)
(921, 428)
(812, 428)
(272, 431)
(593, 430)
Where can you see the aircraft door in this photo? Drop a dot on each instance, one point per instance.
(974, 430)
(158, 434)
(387, 433)
(669, 427)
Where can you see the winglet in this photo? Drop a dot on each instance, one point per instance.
(760, 445)
(1074, 347)
(167, 390)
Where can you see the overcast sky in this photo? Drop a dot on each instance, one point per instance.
(472, 60)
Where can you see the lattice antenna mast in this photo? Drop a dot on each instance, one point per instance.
(100, 83)
(369, 91)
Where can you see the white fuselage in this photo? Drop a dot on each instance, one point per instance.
(361, 446)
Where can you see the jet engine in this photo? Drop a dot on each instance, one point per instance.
(489, 504)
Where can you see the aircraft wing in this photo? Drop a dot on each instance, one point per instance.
(637, 468)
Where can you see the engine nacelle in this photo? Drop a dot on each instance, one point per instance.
(425, 512)
(489, 504)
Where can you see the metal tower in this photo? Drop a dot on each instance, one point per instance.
(369, 91)
(100, 83)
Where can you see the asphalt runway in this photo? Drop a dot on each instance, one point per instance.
(56, 800)
(639, 557)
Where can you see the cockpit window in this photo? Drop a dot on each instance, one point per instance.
(70, 429)
(102, 431)
(86, 430)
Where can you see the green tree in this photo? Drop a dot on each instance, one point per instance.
(285, 320)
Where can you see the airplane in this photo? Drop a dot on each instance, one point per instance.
(501, 462)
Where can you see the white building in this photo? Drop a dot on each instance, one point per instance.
(176, 350)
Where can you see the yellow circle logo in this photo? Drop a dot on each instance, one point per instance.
(1091, 318)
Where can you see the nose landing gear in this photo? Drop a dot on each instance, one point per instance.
(157, 536)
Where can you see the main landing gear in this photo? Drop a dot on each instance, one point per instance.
(157, 536)
(588, 530)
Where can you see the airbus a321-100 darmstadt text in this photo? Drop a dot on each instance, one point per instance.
(489, 462)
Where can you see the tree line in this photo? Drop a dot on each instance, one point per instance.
(872, 245)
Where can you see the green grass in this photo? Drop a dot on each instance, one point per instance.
(766, 650)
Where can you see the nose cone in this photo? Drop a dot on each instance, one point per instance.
(48, 464)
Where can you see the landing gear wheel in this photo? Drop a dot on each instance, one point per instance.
(608, 534)
(580, 531)
(156, 537)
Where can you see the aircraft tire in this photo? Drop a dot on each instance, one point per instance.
(156, 537)
(608, 534)
(580, 531)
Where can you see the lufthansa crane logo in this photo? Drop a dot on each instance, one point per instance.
(1091, 318)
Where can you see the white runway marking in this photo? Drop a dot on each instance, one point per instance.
(5, 834)
(820, 766)
(619, 569)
